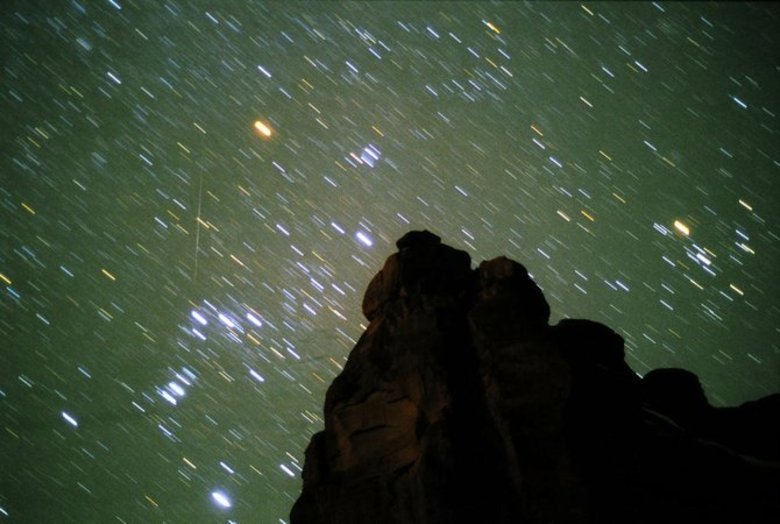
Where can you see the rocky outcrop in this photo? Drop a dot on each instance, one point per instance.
(460, 403)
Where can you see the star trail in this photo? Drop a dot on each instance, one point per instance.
(194, 195)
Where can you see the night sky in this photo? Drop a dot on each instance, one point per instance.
(193, 197)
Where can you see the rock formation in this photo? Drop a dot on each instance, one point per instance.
(460, 404)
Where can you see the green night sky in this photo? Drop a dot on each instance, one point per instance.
(194, 195)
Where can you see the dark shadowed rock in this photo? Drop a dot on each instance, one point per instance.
(677, 393)
(460, 403)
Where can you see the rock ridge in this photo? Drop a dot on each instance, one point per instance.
(460, 403)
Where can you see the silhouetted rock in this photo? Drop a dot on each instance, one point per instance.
(460, 403)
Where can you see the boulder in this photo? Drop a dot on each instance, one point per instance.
(460, 403)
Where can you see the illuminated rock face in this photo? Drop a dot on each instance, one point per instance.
(461, 404)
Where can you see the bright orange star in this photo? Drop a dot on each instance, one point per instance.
(262, 129)
(682, 228)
